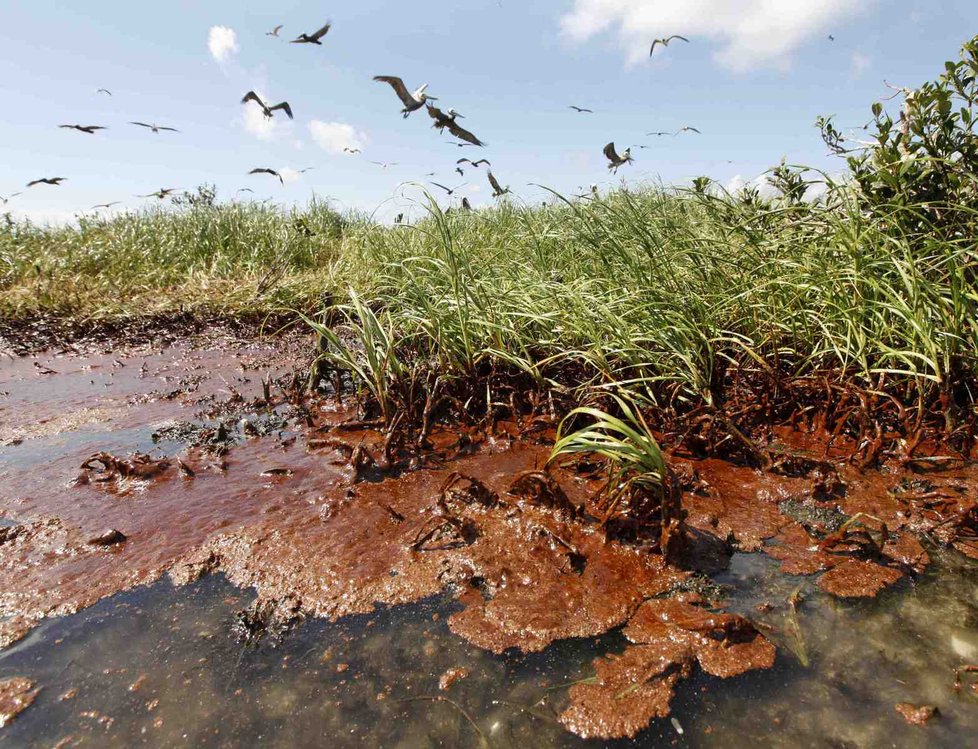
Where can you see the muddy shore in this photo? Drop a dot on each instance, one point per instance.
(236, 472)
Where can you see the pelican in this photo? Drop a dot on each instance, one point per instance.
(105, 205)
(665, 42)
(497, 189)
(159, 194)
(154, 127)
(264, 170)
(412, 102)
(274, 32)
(581, 109)
(616, 160)
(90, 129)
(47, 181)
(473, 163)
(313, 38)
(267, 110)
(443, 120)
(12, 195)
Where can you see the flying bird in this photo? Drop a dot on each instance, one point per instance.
(12, 195)
(351, 150)
(47, 181)
(384, 164)
(245, 189)
(264, 170)
(459, 170)
(154, 127)
(103, 91)
(307, 169)
(446, 189)
(581, 109)
(831, 38)
(90, 129)
(267, 110)
(412, 102)
(160, 194)
(614, 159)
(497, 189)
(683, 129)
(665, 42)
(443, 120)
(313, 38)
(274, 32)
(105, 205)
(473, 163)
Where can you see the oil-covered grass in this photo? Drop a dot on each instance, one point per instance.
(675, 297)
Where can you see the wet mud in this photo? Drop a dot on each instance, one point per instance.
(121, 468)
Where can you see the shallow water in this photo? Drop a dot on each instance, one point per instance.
(164, 666)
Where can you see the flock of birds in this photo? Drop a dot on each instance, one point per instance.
(412, 101)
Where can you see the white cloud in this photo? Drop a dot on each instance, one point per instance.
(860, 64)
(750, 33)
(335, 136)
(222, 42)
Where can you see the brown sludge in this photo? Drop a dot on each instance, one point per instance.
(306, 513)
(916, 715)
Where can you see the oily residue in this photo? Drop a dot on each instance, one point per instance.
(207, 458)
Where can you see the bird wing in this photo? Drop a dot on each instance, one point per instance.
(322, 32)
(693, 129)
(284, 106)
(480, 161)
(437, 184)
(495, 183)
(141, 124)
(399, 88)
(680, 38)
(463, 160)
(252, 96)
(441, 119)
(69, 127)
(171, 129)
(654, 42)
(274, 32)
(34, 182)
(462, 134)
(609, 151)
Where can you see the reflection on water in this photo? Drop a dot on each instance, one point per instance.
(163, 667)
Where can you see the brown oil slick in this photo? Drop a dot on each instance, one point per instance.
(280, 494)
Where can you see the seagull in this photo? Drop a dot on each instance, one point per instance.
(665, 42)
(12, 195)
(274, 32)
(267, 110)
(683, 129)
(443, 120)
(446, 189)
(616, 160)
(160, 194)
(154, 127)
(245, 189)
(103, 91)
(105, 205)
(351, 150)
(412, 102)
(581, 109)
(473, 163)
(90, 129)
(384, 164)
(265, 170)
(313, 38)
(47, 181)
(497, 189)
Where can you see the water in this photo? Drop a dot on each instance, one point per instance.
(164, 666)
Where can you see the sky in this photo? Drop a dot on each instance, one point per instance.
(753, 78)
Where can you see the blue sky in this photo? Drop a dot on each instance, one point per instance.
(753, 78)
